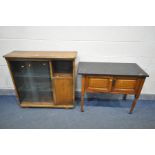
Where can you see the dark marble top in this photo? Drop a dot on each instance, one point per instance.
(107, 68)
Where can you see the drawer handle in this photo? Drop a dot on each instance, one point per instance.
(113, 82)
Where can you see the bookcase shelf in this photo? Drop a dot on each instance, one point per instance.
(62, 66)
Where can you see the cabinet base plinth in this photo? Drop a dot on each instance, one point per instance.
(44, 105)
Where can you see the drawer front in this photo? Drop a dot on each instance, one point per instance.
(126, 85)
(101, 84)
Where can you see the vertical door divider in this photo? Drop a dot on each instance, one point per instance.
(52, 81)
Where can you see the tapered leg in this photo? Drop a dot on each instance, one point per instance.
(137, 95)
(82, 93)
(133, 104)
(82, 103)
(124, 96)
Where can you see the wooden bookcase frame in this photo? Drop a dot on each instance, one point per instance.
(68, 82)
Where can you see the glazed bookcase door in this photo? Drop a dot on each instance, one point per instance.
(32, 80)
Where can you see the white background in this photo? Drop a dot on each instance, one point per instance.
(77, 142)
(77, 13)
(100, 44)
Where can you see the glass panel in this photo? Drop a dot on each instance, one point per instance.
(33, 81)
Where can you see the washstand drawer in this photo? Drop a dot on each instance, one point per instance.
(125, 84)
(101, 84)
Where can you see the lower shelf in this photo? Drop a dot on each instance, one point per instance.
(44, 105)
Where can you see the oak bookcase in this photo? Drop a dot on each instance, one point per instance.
(43, 78)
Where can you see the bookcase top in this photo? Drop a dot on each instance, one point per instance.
(42, 54)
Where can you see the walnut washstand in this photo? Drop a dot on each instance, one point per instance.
(115, 78)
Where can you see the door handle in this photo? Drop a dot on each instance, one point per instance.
(113, 82)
